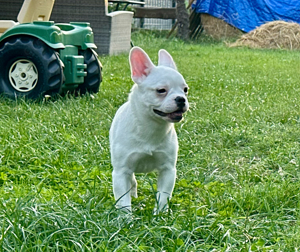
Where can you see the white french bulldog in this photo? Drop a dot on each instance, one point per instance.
(142, 134)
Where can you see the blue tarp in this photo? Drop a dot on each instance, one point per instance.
(249, 14)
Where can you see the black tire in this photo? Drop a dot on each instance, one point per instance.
(94, 76)
(29, 68)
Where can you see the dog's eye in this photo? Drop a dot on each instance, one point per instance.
(161, 91)
(186, 89)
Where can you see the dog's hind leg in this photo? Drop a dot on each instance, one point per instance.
(122, 190)
(133, 186)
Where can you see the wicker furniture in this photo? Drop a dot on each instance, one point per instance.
(30, 10)
(112, 31)
(10, 9)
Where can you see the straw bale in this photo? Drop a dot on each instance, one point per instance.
(217, 28)
(275, 34)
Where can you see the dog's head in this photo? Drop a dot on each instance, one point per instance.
(162, 89)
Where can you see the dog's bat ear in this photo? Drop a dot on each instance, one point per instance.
(140, 64)
(165, 59)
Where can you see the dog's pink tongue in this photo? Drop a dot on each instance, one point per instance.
(175, 116)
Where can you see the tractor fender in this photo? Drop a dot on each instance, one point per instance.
(55, 36)
(46, 32)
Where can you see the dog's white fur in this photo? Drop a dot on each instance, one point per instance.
(142, 134)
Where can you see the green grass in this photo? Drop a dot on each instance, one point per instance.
(238, 185)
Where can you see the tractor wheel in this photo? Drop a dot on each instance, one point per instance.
(29, 68)
(93, 79)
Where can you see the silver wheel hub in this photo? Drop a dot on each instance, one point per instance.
(23, 75)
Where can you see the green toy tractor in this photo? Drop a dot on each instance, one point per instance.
(39, 58)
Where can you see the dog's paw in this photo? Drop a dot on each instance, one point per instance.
(125, 216)
(157, 211)
(133, 193)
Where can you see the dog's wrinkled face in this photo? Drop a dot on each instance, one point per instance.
(162, 89)
(165, 94)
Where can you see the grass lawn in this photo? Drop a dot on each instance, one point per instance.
(238, 186)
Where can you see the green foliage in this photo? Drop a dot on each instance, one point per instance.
(238, 166)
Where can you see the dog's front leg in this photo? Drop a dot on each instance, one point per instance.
(165, 186)
(122, 188)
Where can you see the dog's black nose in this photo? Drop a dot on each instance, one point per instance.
(180, 101)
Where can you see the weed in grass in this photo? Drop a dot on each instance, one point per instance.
(238, 165)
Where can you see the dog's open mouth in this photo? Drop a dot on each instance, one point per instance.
(175, 116)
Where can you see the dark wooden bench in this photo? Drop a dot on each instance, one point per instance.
(149, 12)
